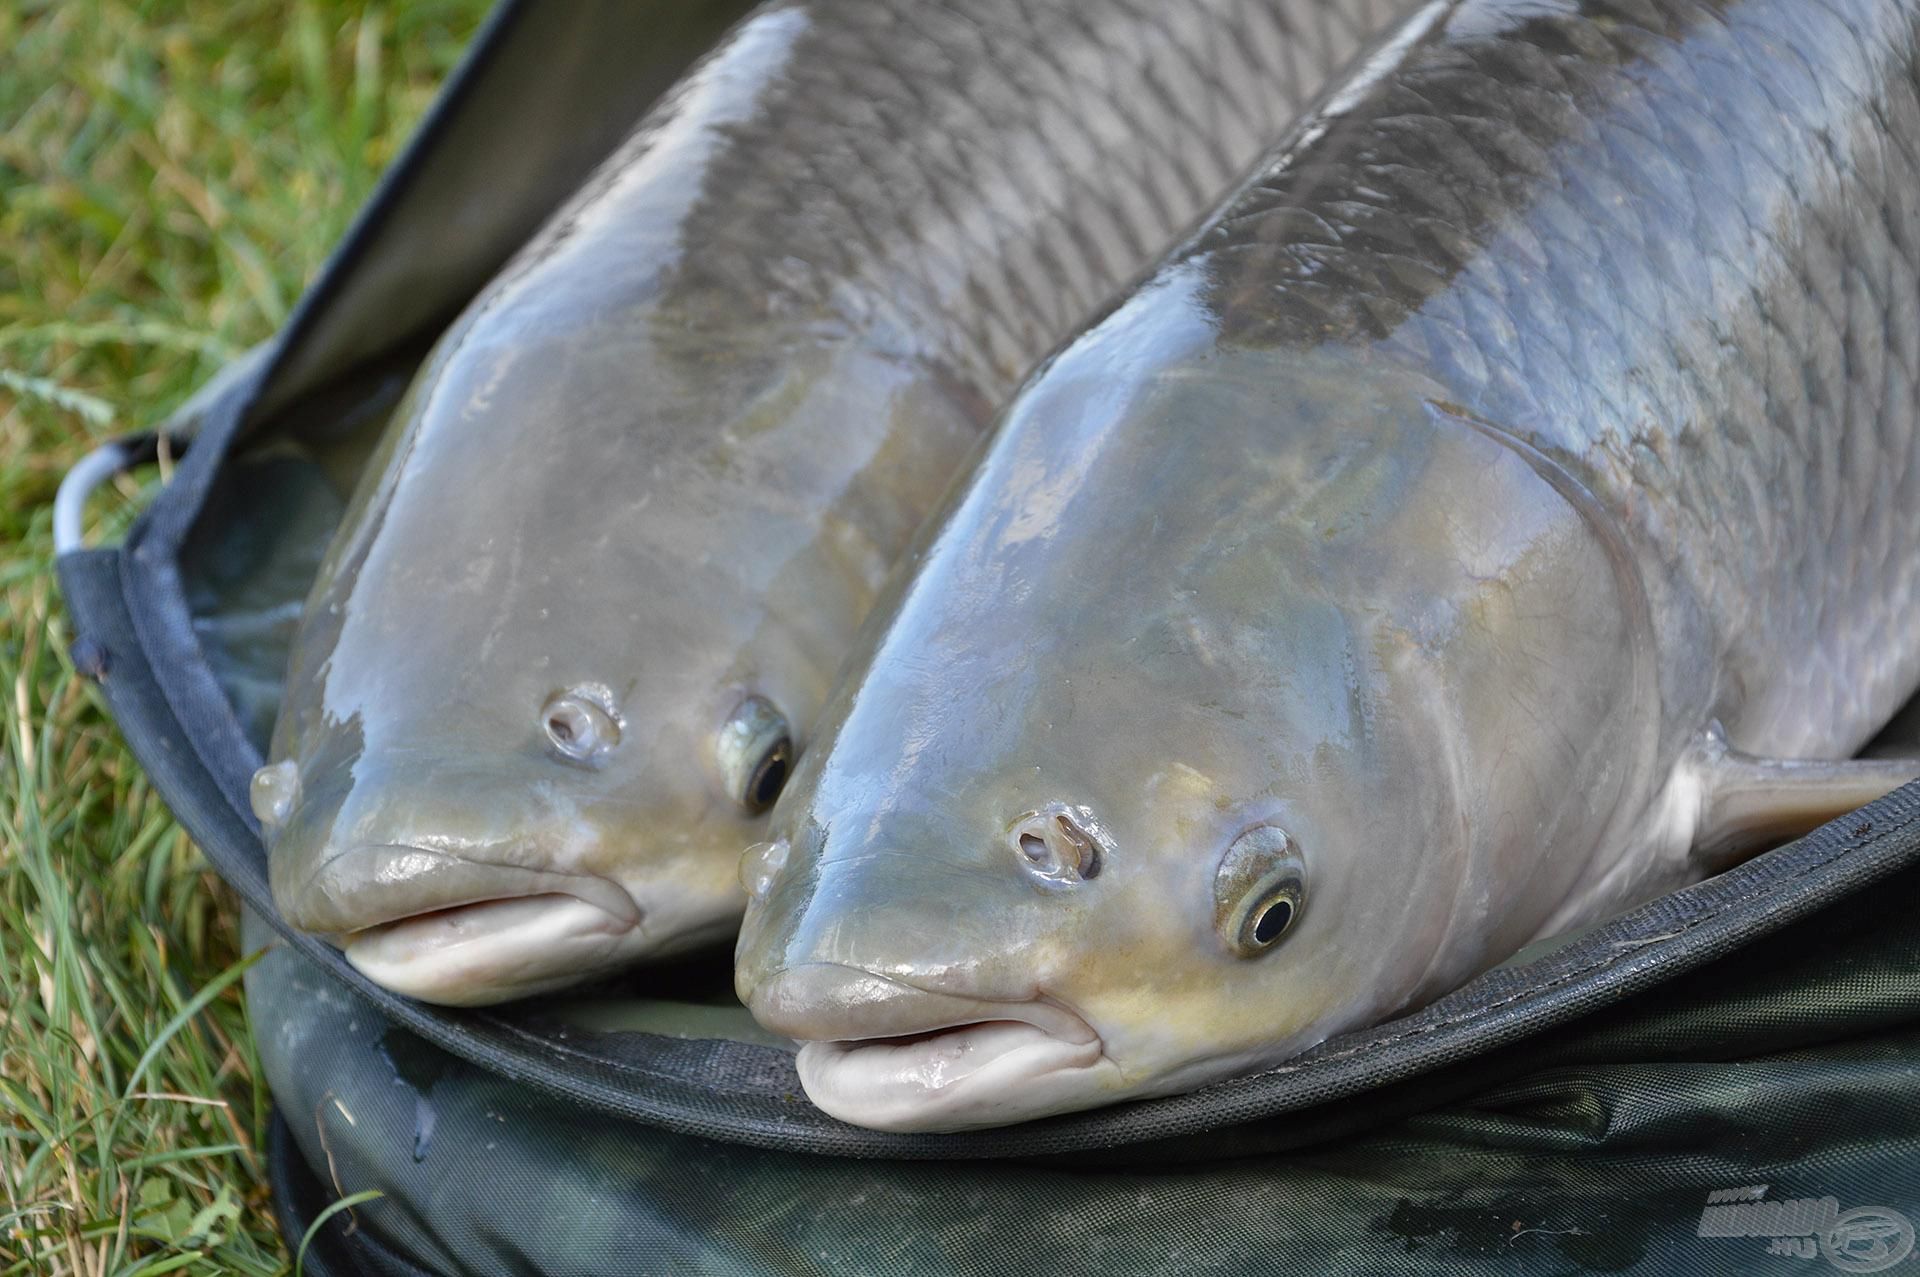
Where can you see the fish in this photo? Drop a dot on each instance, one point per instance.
(1498, 513)
(602, 566)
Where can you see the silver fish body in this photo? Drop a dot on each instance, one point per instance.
(592, 590)
(1497, 514)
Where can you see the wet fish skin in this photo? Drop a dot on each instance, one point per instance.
(1529, 443)
(643, 492)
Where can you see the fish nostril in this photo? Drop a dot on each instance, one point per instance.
(1058, 845)
(579, 726)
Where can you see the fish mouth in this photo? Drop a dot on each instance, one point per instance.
(458, 931)
(491, 951)
(884, 1054)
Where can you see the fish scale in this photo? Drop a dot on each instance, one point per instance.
(595, 582)
(1103, 74)
(1783, 433)
(1500, 512)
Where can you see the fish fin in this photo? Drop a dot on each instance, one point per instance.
(1748, 804)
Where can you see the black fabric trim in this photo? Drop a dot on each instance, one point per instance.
(749, 1094)
(131, 604)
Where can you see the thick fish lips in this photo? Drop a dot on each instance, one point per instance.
(460, 928)
(459, 931)
(888, 1055)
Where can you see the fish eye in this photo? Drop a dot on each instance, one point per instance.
(755, 752)
(1271, 919)
(579, 725)
(768, 777)
(1259, 890)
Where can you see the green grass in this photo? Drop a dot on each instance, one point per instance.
(170, 176)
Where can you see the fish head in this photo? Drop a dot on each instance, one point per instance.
(489, 863)
(563, 651)
(1078, 923)
(1185, 745)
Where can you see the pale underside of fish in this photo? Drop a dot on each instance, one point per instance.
(595, 584)
(1501, 512)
